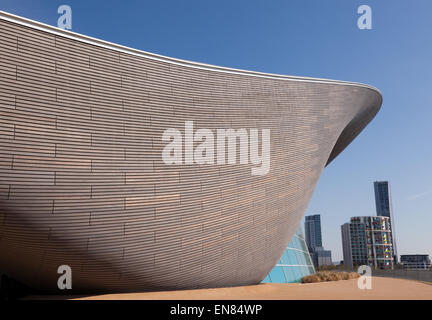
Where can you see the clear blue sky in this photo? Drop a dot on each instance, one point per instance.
(307, 38)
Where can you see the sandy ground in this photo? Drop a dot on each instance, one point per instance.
(382, 288)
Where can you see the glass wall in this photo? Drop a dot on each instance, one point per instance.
(294, 264)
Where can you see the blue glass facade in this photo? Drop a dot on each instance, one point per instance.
(294, 264)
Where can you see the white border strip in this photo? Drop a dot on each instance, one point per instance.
(109, 45)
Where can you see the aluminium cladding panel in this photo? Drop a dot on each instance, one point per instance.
(82, 181)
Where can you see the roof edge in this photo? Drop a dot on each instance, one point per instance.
(117, 47)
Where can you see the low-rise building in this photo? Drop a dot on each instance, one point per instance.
(321, 257)
(416, 261)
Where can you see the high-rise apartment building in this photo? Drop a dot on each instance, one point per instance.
(368, 241)
(384, 208)
(346, 246)
(313, 234)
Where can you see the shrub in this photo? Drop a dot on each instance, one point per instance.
(311, 279)
(323, 276)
